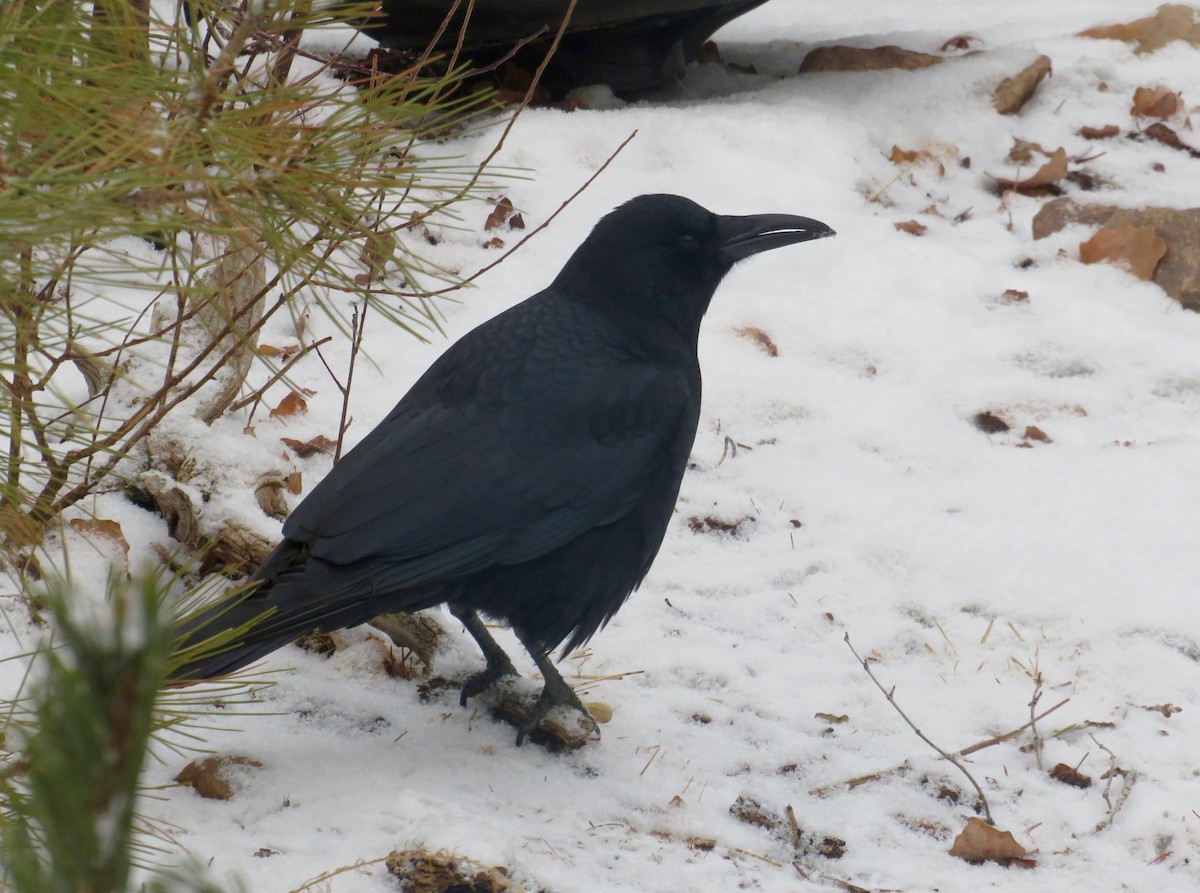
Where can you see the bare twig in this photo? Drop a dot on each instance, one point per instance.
(949, 757)
(358, 324)
(1128, 779)
(998, 739)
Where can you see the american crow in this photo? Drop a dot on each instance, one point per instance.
(529, 475)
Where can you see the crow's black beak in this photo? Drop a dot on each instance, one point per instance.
(741, 237)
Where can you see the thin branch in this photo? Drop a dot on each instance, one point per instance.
(998, 739)
(358, 325)
(949, 757)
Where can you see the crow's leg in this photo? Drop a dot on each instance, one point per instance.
(498, 663)
(555, 693)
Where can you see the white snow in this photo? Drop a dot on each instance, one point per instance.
(875, 508)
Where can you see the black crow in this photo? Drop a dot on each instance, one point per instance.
(529, 475)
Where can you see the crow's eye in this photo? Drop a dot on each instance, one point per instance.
(688, 241)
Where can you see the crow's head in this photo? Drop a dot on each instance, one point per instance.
(662, 256)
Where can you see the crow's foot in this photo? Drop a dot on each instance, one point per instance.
(498, 663)
(555, 693)
(485, 679)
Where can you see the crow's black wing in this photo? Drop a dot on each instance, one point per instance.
(534, 428)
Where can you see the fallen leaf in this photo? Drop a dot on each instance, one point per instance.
(844, 58)
(1070, 775)
(836, 719)
(1171, 22)
(990, 423)
(290, 405)
(980, 842)
(270, 350)
(1033, 432)
(377, 251)
(1167, 710)
(306, 448)
(1045, 176)
(1156, 102)
(1099, 133)
(294, 483)
(1015, 91)
(106, 531)
(704, 844)
(1022, 151)
(761, 338)
(912, 227)
(1014, 296)
(907, 156)
(494, 242)
(499, 215)
(960, 42)
(1137, 248)
(210, 777)
(1168, 137)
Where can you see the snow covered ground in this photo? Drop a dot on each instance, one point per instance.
(866, 502)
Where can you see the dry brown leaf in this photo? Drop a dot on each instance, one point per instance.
(499, 215)
(835, 718)
(1070, 775)
(990, 423)
(1137, 248)
(759, 337)
(294, 483)
(1015, 91)
(1171, 22)
(1022, 151)
(106, 531)
(1014, 296)
(290, 405)
(980, 842)
(377, 251)
(306, 448)
(1156, 102)
(907, 156)
(286, 350)
(1046, 175)
(1099, 133)
(1168, 137)
(210, 776)
(912, 227)
(494, 242)
(844, 58)
(960, 42)
(1033, 432)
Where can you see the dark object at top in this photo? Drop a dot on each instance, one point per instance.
(530, 473)
(630, 45)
